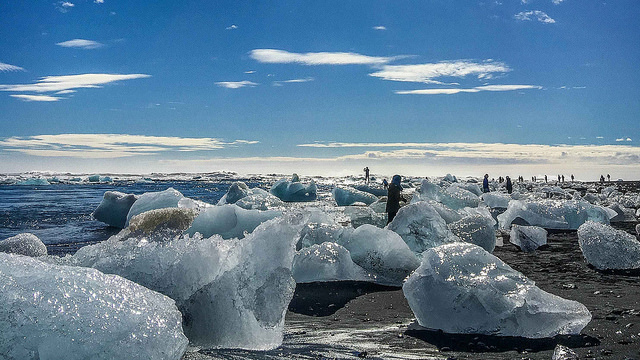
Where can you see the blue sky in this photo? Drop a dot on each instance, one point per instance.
(325, 87)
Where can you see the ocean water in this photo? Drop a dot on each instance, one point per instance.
(60, 214)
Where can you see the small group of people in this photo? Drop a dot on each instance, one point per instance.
(506, 180)
(602, 178)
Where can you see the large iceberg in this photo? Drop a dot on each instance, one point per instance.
(476, 229)
(553, 214)
(114, 208)
(382, 253)
(24, 244)
(421, 227)
(293, 190)
(232, 293)
(528, 238)
(345, 196)
(461, 288)
(326, 262)
(607, 248)
(229, 221)
(66, 312)
(154, 200)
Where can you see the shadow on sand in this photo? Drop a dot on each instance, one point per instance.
(489, 343)
(325, 298)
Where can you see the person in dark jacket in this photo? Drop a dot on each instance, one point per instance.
(509, 185)
(485, 183)
(393, 198)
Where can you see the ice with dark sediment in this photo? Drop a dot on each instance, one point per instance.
(345, 196)
(68, 312)
(326, 262)
(154, 200)
(25, 244)
(381, 252)
(553, 214)
(114, 208)
(527, 238)
(293, 190)
(229, 221)
(607, 248)
(245, 284)
(461, 288)
(421, 227)
(476, 229)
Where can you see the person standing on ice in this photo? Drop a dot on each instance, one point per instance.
(485, 183)
(393, 198)
(366, 175)
(509, 185)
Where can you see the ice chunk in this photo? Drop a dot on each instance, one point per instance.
(326, 262)
(380, 206)
(229, 221)
(162, 224)
(421, 227)
(114, 208)
(496, 200)
(607, 248)
(427, 191)
(361, 215)
(461, 288)
(382, 253)
(259, 199)
(24, 244)
(473, 187)
(372, 190)
(236, 191)
(64, 312)
(450, 178)
(457, 198)
(552, 214)
(294, 190)
(622, 213)
(33, 182)
(447, 214)
(93, 178)
(318, 233)
(476, 229)
(528, 238)
(154, 200)
(345, 196)
(562, 352)
(232, 293)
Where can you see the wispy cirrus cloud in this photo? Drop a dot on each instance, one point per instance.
(291, 81)
(471, 90)
(428, 73)
(538, 15)
(379, 27)
(81, 44)
(8, 67)
(274, 56)
(64, 6)
(556, 2)
(236, 84)
(26, 97)
(111, 145)
(71, 82)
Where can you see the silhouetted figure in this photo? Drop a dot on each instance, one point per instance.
(608, 177)
(558, 177)
(485, 183)
(562, 178)
(601, 178)
(572, 178)
(509, 185)
(393, 198)
(545, 178)
(366, 175)
(385, 184)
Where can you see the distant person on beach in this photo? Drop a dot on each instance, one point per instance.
(601, 178)
(366, 175)
(545, 178)
(572, 177)
(385, 184)
(485, 183)
(558, 177)
(608, 177)
(509, 185)
(562, 178)
(393, 198)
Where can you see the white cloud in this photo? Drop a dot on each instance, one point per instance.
(274, 56)
(62, 92)
(232, 27)
(64, 6)
(599, 137)
(7, 67)
(541, 16)
(67, 4)
(472, 90)
(110, 145)
(236, 84)
(250, 72)
(279, 83)
(623, 139)
(80, 43)
(556, 2)
(379, 27)
(36, 97)
(427, 73)
(99, 1)
(70, 82)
